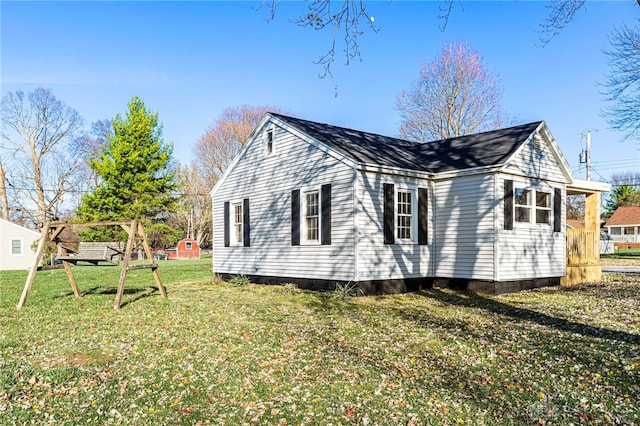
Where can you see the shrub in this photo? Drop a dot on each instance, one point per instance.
(239, 280)
(290, 288)
(345, 290)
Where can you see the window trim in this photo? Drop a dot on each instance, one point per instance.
(413, 191)
(548, 208)
(303, 216)
(532, 206)
(269, 141)
(233, 240)
(21, 241)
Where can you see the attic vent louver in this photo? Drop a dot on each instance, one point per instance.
(537, 141)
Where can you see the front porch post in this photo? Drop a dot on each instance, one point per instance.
(583, 251)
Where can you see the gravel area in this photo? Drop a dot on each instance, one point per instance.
(620, 261)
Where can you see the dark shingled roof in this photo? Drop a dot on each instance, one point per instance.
(464, 152)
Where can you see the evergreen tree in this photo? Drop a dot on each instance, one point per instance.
(135, 173)
(622, 195)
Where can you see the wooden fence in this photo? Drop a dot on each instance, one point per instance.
(583, 247)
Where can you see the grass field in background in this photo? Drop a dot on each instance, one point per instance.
(213, 353)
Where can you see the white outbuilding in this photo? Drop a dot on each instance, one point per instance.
(15, 246)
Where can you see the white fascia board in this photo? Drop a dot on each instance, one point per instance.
(20, 227)
(427, 175)
(250, 140)
(314, 142)
(588, 186)
(468, 172)
(557, 153)
(393, 171)
(522, 175)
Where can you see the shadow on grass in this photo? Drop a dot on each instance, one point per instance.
(522, 314)
(136, 293)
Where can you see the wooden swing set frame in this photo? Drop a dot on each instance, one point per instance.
(51, 233)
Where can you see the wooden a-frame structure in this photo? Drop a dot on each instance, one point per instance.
(51, 233)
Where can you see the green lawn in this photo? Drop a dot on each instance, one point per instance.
(217, 354)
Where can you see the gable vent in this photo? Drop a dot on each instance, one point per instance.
(537, 141)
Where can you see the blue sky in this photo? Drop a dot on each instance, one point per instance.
(191, 60)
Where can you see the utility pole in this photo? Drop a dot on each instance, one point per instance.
(588, 154)
(585, 154)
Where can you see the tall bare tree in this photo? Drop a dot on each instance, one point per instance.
(4, 200)
(193, 216)
(36, 130)
(220, 143)
(454, 95)
(623, 81)
(89, 146)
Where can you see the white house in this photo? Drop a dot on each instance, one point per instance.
(317, 204)
(624, 224)
(15, 246)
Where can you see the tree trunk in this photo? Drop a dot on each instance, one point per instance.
(4, 203)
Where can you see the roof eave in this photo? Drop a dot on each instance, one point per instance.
(578, 187)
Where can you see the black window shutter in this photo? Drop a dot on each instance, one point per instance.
(325, 211)
(389, 195)
(423, 215)
(295, 217)
(226, 223)
(557, 210)
(246, 225)
(508, 204)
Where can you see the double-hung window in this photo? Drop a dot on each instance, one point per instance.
(543, 207)
(237, 223)
(523, 205)
(528, 212)
(404, 219)
(405, 214)
(16, 247)
(312, 216)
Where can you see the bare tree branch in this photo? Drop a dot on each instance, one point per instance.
(561, 12)
(455, 95)
(349, 18)
(623, 81)
(35, 129)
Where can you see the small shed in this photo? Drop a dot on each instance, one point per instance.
(187, 248)
(15, 246)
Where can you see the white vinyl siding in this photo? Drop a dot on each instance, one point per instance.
(530, 250)
(465, 227)
(15, 246)
(377, 260)
(268, 181)
(536, 162)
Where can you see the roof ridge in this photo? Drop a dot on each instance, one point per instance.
(489, 148)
